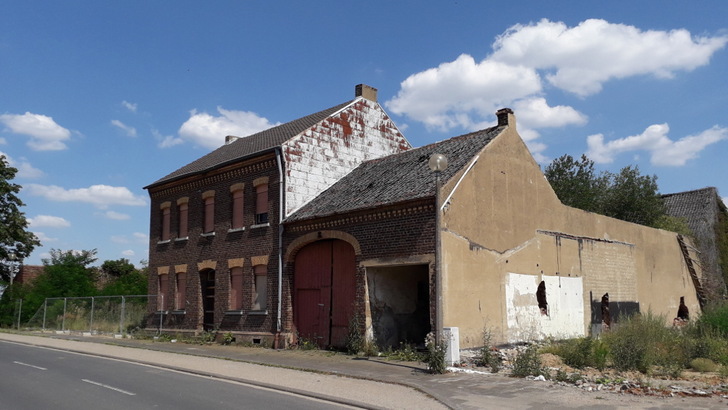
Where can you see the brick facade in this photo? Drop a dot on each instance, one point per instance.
(223, 249)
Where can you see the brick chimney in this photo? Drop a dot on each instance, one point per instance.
(506, 117)
(363, 90)
(230, 139)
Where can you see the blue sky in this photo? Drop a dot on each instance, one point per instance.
(100, 98)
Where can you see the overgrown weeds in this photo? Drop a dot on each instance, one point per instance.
(434, 356)
(487, 356)
(528, 363)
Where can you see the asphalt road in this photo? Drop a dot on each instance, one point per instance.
(42, 378)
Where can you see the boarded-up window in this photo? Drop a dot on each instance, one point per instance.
(260, 290)
(164, 235)
(237, 219)
(182, 223)
(236, 288)
(162, 296)
(261, 204)
(209, 224)
(180, 296)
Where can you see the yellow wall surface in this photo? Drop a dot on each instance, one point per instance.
(503, 223)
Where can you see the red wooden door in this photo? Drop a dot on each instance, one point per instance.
(324, 284)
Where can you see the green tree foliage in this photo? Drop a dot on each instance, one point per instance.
(633, 197)
(627, 195)
(127, 279)
(16, 242)
(117, 268)
(576, 183)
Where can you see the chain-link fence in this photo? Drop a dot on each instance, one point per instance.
(95, 314)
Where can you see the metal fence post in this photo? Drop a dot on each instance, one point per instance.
(20, 310)
(121, 320)
(63, 320)
(91, 321)
(45, 309)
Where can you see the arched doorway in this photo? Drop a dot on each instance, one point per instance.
(324, 291)
(207, 288)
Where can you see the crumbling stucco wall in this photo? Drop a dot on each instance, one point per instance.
(524, 235)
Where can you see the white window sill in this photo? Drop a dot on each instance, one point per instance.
(186, 238)
(162, 312)
(163, 242)
(236, 229)
(208, 234)
(233, 313)
(260, 225)
(258, 312)
(179, 312)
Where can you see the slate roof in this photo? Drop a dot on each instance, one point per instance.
(698, 207)
(396, 178)
(250, 145)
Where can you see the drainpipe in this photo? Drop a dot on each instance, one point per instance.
(281, 204)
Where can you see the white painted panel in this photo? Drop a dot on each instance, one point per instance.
(565, 307)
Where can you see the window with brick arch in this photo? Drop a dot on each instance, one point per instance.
(180, 297)
(261, 204)
(182, 212)
(165, 216)
(208, 224)
(237, 221)
(236, 288)
(260, 287)
(163, 282)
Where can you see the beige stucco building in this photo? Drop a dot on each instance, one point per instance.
(505, 231)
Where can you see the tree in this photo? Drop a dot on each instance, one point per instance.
(576, 183)
(117, 268)
(634, 197)
(126, 279)
(16, 242)
(627, 195)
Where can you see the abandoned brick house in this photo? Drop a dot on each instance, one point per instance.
(298, 230)
(707, 217)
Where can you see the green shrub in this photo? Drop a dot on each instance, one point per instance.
(355, 340)
(487, 357)
(434, 356)
(714, 319)
(528, 363)
(703, 365)
(643, 341)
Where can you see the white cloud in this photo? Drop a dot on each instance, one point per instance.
(44, 238)
(44, 133)
(210, 131)
(48, 221)
(536, 113)
(141, 237)
(128, 253)
(129, 106)
(99, 195)
(129, 131)
(465, 93)
(116, 216)
(663, 151)
(580, 59)
(460, 93)
(25, 169)
(166, 141)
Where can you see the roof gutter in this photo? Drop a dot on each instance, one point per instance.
(281, 205)
(447, 200)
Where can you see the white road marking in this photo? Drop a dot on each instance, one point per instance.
(30, 365)
(109, 387)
